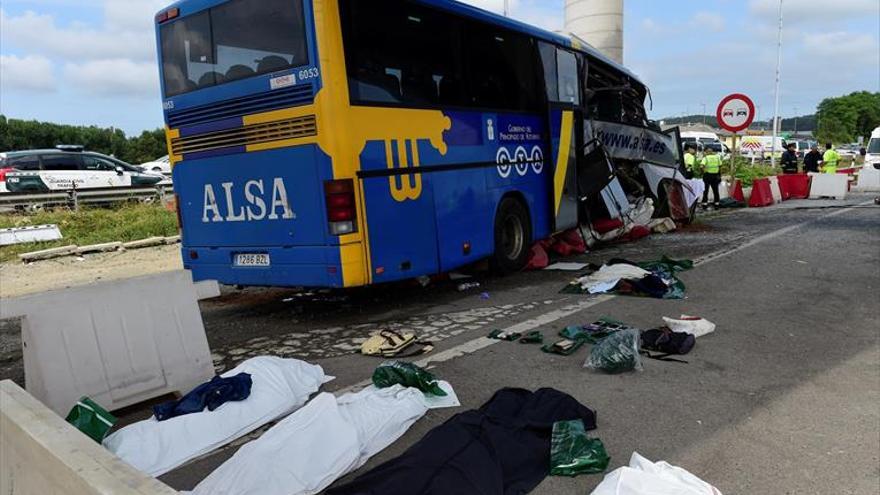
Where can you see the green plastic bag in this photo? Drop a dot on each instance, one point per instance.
(407, 374)
(617, 353)
(90, 418)
(573, 453)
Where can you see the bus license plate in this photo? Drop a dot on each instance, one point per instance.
(252, 260)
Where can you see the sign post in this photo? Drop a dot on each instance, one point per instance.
(735, 113)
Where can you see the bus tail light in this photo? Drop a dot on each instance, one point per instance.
(341, 209)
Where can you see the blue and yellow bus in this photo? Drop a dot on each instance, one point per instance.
(342, 143)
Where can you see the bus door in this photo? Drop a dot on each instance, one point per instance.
(561, 77)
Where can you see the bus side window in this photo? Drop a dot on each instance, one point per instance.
(401, 53)
(548, 60)
(569, 88)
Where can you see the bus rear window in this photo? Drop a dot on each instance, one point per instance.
(235, 40)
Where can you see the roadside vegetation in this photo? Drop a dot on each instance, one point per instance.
(128, 222)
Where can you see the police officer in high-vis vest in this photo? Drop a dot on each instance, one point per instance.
(711, 164)
(690, 161)
(830, 160)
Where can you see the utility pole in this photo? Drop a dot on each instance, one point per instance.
(704, 113)
(778, 70)
(795, 121)
(506, 8)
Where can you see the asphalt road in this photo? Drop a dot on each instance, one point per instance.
(782, 398)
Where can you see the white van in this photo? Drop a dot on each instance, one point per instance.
(703, 140)
(873, 148)
(761, 147)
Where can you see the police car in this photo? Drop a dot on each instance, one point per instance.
(69, 167)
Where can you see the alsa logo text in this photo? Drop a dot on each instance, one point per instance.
(259, 202)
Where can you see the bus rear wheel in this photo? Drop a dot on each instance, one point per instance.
(513, 236)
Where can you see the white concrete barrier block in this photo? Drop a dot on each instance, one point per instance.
(869, 179)
(119, 342)
(142, 243)
(774, 189)
(41, 454)
(829, 186)
(46, 254)
(99, 248)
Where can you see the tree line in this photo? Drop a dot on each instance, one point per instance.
(843, 119)
(18, 135)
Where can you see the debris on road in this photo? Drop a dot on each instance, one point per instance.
(485, 296)
(693, 325)
(564, 347)
(617, 353)
(467, 286)
(667, 343)
(388, 343)
(573, 452)
(648, 279)
(535, 337)
(643, 477)
(470, 453)
(33, 233)
(502, 335)
(567, 266)
(407, 374)
(210, 396)
(90, 418)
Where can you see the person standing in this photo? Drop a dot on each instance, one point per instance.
(690, 161)
(830, 160)
(711, 164)
(812, 159)
(790, 160)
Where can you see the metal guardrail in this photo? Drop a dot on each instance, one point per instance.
(75, 197)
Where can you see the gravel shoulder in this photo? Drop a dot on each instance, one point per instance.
(18, 279)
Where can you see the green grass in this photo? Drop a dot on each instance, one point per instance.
(124, 223)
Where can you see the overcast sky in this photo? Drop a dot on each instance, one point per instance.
(93, 61)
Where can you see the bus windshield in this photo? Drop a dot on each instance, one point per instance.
(234, 40)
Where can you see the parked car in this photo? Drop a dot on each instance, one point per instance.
(68, 167)
(161, 165)
(848, 150)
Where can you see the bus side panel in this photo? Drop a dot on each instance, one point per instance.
(523, 138)
(400, 211)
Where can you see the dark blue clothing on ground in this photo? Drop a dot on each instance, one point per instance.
(211, 395)
(503, 448)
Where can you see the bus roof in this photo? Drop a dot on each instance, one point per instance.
(472, 12)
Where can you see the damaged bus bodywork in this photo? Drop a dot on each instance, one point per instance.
(342, 143)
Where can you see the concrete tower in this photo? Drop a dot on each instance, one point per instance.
(599, 23)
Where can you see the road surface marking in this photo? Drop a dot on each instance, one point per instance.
(481, 343)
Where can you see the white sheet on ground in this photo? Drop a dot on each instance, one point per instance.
(605, 278)
(643, 477)
(279, 387)
(318, 444)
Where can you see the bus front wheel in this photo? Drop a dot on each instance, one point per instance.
(513, 236)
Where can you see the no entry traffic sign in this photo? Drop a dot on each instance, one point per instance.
(736, 112)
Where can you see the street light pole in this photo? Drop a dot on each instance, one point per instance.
(506, 8)
(778, 70)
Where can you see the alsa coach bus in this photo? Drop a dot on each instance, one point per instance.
(341, 143)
